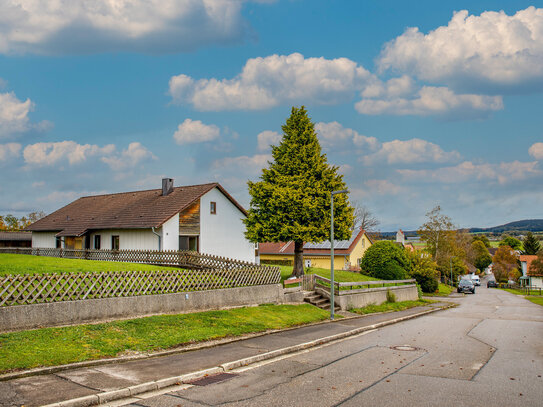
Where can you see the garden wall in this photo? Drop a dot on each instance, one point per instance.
(20, 317)
(376, 296)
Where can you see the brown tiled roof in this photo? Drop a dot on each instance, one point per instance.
(127, 210)
(22, 236)
(528, 258)
(288, 247)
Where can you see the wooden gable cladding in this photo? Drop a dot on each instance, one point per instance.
(189, 220)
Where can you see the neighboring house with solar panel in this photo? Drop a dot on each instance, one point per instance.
(347, 253)
(203, 218)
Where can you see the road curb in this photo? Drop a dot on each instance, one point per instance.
(131, 391)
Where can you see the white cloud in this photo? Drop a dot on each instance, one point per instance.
(270, 81)
(194, 131)
(431, 100)
(42, 154)
(9, 150)
(14, 114)
(90, 26)
(134, 154)
(246, 165)
(536, 151)
(268, 138)
(333, 134)
(493, 49)
(409, 152)
(467, 171)
(382, 187)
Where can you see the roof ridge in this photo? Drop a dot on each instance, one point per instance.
(148, 190)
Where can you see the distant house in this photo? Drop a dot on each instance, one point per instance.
(15, 239)
(534, 280)
(204, 218)
(347, 253)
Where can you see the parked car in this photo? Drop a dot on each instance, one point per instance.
(492, 283)
(466, 286)
(476, 280)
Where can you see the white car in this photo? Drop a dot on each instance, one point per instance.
(476, 280)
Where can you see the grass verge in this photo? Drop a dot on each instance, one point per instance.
(391, 306)
(58, 346)
(27, 264)
(536, 300)
(443, 290)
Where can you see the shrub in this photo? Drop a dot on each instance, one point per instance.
(424, 271)
(391, 297)
(427, 284)
(385, 260)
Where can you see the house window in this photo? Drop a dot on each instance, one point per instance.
(58, 242)
(188, 243)
(115, 243)
(213, 208)
(97, 242)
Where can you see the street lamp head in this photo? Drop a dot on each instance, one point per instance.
(340, 192)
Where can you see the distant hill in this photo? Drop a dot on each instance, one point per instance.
(527, 225)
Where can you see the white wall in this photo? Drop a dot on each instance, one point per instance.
(135, 239)
(44, 239)
(170, 233)
(222, 234)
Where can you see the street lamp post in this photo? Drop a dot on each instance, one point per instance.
(450, 264)
(332, 303)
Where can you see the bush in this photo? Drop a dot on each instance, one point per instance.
(427, 284)
(391, 297)
(424, 271)
(385, 260)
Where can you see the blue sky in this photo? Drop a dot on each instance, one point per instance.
(419, 103)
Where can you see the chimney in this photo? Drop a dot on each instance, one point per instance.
(167, 186)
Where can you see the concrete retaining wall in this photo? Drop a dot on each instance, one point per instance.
(374, 296)
(19, 317)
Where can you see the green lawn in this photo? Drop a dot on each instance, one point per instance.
(27, 264)
(443, 291)
(339, 275)
(536, 300)
(391, 306)
(57, 346)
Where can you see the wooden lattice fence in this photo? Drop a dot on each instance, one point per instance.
(185, 259)
(44, 288)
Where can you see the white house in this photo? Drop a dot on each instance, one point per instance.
(204, 218)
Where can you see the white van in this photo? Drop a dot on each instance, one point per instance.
(476, 280)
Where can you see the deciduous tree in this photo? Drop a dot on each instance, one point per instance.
(364, 218)
(385, 260)
(482, 257)
(482, 238)
(292, 199)
(536, 268)
(504, 264)
(510, 241)
(439, 234)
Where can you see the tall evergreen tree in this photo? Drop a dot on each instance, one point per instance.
(531, 244)
(292, 199)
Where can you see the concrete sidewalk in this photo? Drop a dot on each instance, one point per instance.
(106, 382)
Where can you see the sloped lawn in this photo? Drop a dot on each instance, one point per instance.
(27, 264)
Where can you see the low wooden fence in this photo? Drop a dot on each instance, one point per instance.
(44, 288)
(182, 258)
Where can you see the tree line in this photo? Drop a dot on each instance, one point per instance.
(10, 222)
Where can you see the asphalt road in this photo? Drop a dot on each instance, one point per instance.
(486, 352)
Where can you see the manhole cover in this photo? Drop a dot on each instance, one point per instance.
(216, 378)
(404, 348)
